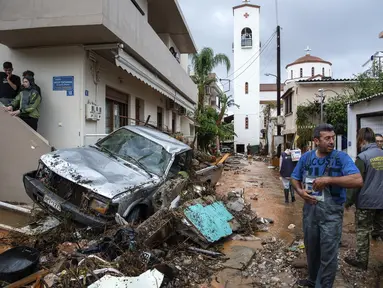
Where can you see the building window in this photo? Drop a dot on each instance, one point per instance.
(312, 71)
(116, 115)
(322, 71)
(247, 122)
(246, 37)
(288, 105)
(301, 72)
(292, 74)
(264, 122)
(246, 88)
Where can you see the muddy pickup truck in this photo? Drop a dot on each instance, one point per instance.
(119, 174)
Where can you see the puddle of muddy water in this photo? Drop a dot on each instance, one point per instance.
(13, 219)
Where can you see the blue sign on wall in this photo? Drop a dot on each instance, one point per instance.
(69, 93)
(63, 83)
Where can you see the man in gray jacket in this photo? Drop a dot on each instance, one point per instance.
(368, 199)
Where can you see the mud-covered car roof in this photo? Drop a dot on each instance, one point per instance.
(170, 144)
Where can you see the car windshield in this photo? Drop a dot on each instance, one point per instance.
(137, 150)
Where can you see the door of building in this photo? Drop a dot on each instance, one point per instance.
(116, 112)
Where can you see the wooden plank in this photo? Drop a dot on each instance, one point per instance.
(29, 279)
(223, 159)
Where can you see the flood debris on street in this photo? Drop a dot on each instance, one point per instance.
(178, 245)
(194, 237)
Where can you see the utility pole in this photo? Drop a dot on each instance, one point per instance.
(278, 76)
(279, 149)
(322, 97)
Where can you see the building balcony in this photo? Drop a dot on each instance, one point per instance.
(27, 24)
(247, 43)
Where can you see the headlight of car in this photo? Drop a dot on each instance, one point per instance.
(99, 206)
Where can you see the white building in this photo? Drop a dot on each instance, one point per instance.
(363, 113)
(213, 92)
(128, 58)
(246, 75)
(308, 67)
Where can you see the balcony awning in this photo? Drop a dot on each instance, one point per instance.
(132, 66)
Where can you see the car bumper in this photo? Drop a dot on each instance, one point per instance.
(37, 191)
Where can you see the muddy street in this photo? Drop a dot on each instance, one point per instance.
(263, 189)
(263, 246)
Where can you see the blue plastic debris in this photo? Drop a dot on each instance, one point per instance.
(210, 220)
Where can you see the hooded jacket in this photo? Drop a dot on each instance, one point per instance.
(28, 102)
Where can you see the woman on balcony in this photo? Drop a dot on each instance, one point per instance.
(26, 104)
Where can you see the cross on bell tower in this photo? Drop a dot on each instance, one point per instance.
(245, 1)
(308, 50)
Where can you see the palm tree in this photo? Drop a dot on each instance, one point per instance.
(203, 64)
(226, 102)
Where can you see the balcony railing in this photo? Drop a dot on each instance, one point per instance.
(248, 42)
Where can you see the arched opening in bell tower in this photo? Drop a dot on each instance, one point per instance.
(246, 37)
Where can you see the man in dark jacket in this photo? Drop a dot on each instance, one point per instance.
(368, 199)
(9, 84)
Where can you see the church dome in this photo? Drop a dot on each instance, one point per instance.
(308, 59)
(308, 67)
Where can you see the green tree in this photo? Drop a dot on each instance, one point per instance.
(336, 107)
(226, 103)
(209, 130)
(203, 64)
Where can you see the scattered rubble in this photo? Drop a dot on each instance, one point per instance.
(271, 267)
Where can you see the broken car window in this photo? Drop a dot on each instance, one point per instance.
(129, 145)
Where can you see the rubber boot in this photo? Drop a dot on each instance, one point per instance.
(292, 194)
(286, 195)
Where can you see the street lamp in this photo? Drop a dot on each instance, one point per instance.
(269, 74)
(322, 98)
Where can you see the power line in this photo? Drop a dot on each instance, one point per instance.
(251, 63)
(258, 51)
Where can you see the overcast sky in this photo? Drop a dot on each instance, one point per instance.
(344, 32)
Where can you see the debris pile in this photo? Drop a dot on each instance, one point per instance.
(176, 246)
(271, 266)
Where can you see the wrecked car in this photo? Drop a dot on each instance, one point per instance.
(118, 174)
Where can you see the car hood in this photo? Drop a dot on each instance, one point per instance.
(97, 171)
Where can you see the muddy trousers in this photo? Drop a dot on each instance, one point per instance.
(287, 189)
(378, 224)
(365, 219)
(322, 228)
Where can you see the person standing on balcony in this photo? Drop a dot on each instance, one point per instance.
(31, 74)
(26, 104)
(9, 85)
(368, 199)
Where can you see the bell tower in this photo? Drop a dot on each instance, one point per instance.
(246, 78)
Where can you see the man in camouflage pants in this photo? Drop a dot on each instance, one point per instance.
(368, 199)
